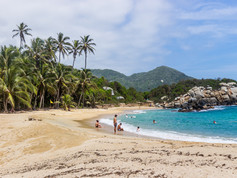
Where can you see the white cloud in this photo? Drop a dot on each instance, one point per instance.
(125, 31)
(131, 35)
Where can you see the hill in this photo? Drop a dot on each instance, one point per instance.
(144, 81)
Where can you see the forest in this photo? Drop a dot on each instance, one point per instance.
(33, 77)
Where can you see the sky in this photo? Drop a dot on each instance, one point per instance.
(196, 37)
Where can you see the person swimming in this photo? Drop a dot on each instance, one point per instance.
(97, 124)
(214, 122)
(154, 121)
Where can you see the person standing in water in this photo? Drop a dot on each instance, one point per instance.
(115, 123)
(138, 129)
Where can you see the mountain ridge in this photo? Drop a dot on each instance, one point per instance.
(143, 81)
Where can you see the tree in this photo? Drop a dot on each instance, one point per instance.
(84, 84)
(36, 51)
(87, 46)
(62, 81)
(22, 30)
(67, 102)
(13, 83)
(50, 49)
(75, 50)
(62, 45)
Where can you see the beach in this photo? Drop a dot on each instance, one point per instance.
(56, 143)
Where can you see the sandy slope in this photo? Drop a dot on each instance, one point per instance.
(54, 145)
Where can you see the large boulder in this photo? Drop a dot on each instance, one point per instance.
(199, 98)
(225, 98)
(213, 101)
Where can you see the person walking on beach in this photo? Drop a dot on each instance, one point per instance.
(115, 123)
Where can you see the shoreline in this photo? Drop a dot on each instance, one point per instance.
(55, 145)
(107, 128)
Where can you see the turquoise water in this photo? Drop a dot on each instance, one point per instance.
(191, 126)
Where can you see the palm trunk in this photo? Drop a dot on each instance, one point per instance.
(58, 97)
(85, 59)
(35, 102)
(74, 58)
(83, 100)
(5, 103)
(57, 104)
(59, 57)
(79, 102)
(43, 99)
(20, 44)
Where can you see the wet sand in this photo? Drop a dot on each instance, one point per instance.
(55, 145)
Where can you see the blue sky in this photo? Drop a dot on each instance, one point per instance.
(197, 37)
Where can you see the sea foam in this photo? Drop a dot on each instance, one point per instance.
(139, 112)
(216, 108)
(168, 135)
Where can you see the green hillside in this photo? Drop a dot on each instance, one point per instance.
(144, 81)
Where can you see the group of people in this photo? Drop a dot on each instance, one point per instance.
(118, 127)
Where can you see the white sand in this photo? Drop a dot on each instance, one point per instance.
(57, 146)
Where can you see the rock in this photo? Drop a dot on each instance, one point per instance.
(177, 98)
(224, 88)
(213, 101)
(177, 104)
(212, 94)
(31, 119)
(234, 90)
(184, 105)
(225, 97)
(191, 93)
(199, 98)
(223, 84)
(164, 98)
(231, 84)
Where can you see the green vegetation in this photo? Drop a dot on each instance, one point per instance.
(144, 81)
(32, 77)
(180, 88)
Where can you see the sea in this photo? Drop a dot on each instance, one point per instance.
(190, 126)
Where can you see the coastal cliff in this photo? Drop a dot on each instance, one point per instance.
(199, 98)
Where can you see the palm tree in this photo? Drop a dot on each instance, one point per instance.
(22, 30)
(86, 46)
(67, 102)
(13, 83)
(75, 50)
(50, 49)
(62, 81)
(7, 56)
(84, 84)
(44, 82)
(62, 45)
(36, 51)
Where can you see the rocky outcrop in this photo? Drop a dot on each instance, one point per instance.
(199, 98)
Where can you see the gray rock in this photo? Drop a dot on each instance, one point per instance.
(225, 97)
